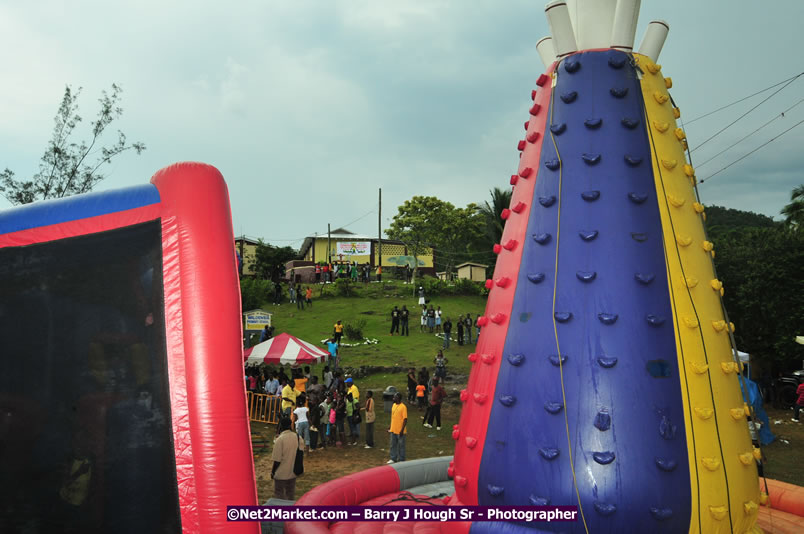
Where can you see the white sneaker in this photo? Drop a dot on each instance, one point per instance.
(427, 426)
(389, 462)
(794, 419)
(368, 447)
(438, 428)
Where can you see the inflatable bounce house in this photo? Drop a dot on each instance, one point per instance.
(122, 406)
(605, 376)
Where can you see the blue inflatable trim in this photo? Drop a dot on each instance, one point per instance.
(68, 209)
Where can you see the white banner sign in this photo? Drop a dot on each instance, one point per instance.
(354, 248)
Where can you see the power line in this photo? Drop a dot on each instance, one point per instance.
(779, 116)
(747, 112)
(744, 98)
(745, 156)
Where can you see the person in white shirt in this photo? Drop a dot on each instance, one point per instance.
(302, 421)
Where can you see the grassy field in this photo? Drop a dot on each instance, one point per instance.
(373, 303)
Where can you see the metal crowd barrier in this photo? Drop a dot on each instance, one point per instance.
(263, 408)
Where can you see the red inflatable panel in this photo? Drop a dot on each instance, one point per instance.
(202, 319)
(349, 490)
(483, 377)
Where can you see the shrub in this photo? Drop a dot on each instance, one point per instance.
(354, 331)
(253, 292)
(343, 287)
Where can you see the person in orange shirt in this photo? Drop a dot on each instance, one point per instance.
(398, 429)
(309, 296)
(420, 395)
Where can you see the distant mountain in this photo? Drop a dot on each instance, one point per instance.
(720, 220)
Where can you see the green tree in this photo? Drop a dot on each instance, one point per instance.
(457, 233)
(415, 224)
(500, 199)
(794, 212)
(269, 261)
(68, 167)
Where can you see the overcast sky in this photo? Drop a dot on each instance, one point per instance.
(308, 107)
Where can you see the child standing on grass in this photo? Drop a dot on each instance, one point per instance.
(420, 389)
(370, 418)
(302, 421)
(309, 295)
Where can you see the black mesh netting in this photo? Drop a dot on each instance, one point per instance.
(85, 431)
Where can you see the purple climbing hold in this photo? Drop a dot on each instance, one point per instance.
(586, 276)
(507, 400)
(666, 464)
(547, 201)
(617, 62)
(654, 320)
(661, 514)
(591, 159)
(607, 318)
(542, 239)
(590, 196)
(606, 362)
(593, 124)
(516, 359)
(569, 98)
(637, 198)
(666, 428)
(633, 161)
(602, 420)
(604, 508)
(630, 123)
(558, 129)
(555, 360)
(588, 235)
(637, 236)
(618, 92)
(572, 65)
(562, 317)
(536, 278)
(495, 491)
(552, 164)
(553, 407)
(603, 458)
(644, 278)
(549, 453)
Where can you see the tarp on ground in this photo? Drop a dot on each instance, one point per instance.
(751, 392)
(284, 349)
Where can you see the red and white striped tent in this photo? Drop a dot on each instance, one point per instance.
(284, 349)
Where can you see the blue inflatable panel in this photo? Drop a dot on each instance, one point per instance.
(67, 209)
(616, 350)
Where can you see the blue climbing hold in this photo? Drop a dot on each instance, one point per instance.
(603, 458)
(617, 62)
(593, 124)
(644, 278)
(619, 92)
(547, 201)
(538, 501)
(606, 362)
(588, 235)
(654, 320)
(542, 239)
(572, 65)
(591, 159)
(637, 198)
(549, 453)
(569, 97)
(633, 161)
(604, 508)
(553, 407)
(507, 400)
(516, 359)
(607, 318)
(666, 428)
(630, 123)
(661, 514)
(558, 129)
(602, 420)
(495, 491)
(552, 164)
(586, 276)
(666, 464)
(562, 317)
(555, 360)
(590, 196)
(536, 278)
(637, 236)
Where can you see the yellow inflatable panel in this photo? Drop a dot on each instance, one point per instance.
(724, 480)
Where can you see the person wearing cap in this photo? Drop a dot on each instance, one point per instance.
(352, 388)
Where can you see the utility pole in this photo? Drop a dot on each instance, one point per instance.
(329, 246)
(379, 231)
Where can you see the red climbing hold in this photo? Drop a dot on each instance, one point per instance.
(527, 171)
(488, 359)
(497, 318)
(510, 244)
(533, 95)
(518, 207)
(497, 248)
(464, 395)
(470, 442)
(543, 79)
(482, 320)
(503, 281)
(521, 145)
(514, 179)
(533, 137)
(534, 110)
(480, 398)
(504, 214)
(461, 481)
(489, 283)
(472, 357)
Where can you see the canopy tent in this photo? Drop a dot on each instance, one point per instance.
(284, 349)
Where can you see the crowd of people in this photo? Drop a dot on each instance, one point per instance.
(434, 322)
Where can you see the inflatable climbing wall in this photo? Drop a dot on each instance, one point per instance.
(604, 375)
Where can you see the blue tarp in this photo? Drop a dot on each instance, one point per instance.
(754, 398)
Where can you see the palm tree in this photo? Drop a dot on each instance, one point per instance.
(500, 199)
(794, 212)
